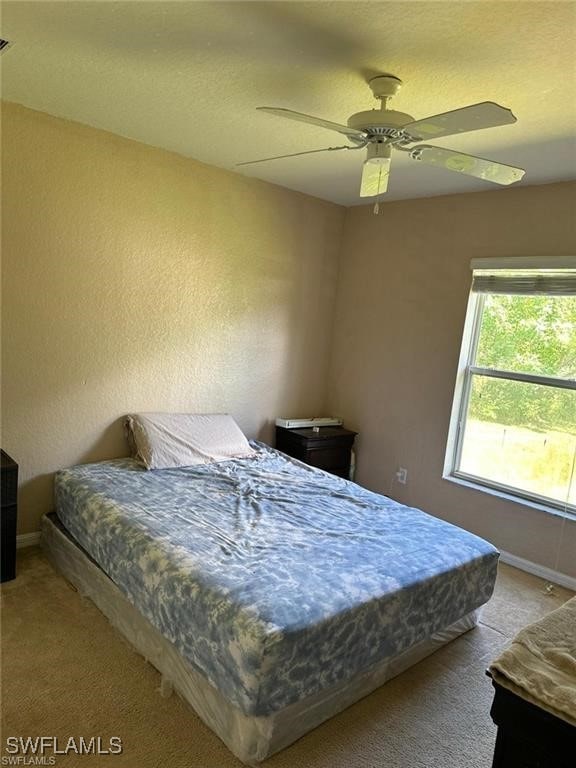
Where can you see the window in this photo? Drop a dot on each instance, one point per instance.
(513, 423)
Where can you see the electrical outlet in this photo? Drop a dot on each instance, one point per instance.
(402, 475)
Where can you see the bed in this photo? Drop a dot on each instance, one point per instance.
(270, 594)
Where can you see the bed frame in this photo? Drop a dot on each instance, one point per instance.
(252, 739)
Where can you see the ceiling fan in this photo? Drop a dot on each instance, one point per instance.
(379, 131)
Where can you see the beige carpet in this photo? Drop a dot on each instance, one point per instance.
(66, 672)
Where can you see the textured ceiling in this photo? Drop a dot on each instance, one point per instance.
(187, 76)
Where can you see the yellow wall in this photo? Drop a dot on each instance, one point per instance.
(135, 279)
(403, 288)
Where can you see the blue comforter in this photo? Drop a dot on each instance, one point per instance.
(274, 579)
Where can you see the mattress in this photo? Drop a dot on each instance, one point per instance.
(251, 739)
(273, 579)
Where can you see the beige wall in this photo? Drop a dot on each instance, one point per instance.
(135, 279)
(402, 297)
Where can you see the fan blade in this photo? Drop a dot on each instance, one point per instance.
(468, 164)
(374, 178)
(487, 114)
(300, 116)
(295, 154)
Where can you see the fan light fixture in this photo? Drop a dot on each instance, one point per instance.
(381, 130)
(376, 170)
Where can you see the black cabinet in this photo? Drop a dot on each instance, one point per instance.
(8, 515)
(330, 448)
(529, 737)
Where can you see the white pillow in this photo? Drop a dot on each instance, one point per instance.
(163, 440)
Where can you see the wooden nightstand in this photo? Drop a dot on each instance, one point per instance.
(8, 511)
(330, 448)
(529, 737)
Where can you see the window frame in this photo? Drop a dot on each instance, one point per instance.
(467, 369)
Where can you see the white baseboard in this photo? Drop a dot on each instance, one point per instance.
(27, 540)
(539, 570)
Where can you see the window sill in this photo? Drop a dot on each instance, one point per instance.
(501, 494)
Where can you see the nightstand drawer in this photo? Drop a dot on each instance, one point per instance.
(328, 458)
(8, 480)
(8, 516)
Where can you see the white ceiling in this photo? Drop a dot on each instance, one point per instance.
(187, 76)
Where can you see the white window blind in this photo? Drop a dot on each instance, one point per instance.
(525, 283)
